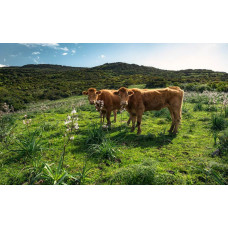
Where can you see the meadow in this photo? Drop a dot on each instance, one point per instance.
(64, 142)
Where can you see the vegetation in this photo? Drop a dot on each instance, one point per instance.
(31, 83)
(63, 142)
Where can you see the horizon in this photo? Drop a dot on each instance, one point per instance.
(163, 56)
(36, 64)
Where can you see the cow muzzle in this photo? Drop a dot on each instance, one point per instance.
(92, 102)
(123, 103)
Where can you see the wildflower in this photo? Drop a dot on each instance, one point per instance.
(74, 112)
(72, 138)
(67, 122)
(76, 126)
(27, 122)
(68, 117)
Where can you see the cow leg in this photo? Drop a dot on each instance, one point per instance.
(115, 113)
(103, 116)
(133, 118)
(129, 120)
(177, 116)
(139, 120)
(108, 115)
(173, 120)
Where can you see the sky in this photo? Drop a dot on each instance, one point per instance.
(164, 56)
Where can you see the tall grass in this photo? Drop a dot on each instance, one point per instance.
(218, 122)
(105, 150)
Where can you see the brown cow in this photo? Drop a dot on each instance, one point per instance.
(111, 102)
(138, 101)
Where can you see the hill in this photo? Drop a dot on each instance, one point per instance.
(31, 83)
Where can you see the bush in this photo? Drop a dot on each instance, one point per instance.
(198, 107)
(105, 150)
(141, 174)
(6, 126)
(223, 141)
(95, 134)
(218, 122)
(29, 146)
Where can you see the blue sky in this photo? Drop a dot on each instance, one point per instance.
(164, 56)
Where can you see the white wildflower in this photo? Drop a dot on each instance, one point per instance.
(73, 112)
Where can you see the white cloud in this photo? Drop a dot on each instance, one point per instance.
(35, 53)
(63, 49)
(1, 65)
(102, 56)
(64, 53)
(73, 51)
(51, 45)
(4, 60)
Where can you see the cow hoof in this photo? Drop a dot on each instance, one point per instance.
(132, 130)
(139, 133)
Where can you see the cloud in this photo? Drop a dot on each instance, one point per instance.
(35, 53)
(1, 65)
(73, 51)
(102, 56)
(50, 45)
(63, 49)
(55, 46)
(64, 53)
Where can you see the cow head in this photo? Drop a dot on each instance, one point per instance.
(92, 95)
(124, 95)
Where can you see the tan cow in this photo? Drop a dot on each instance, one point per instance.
(138, 101)
(111, 102)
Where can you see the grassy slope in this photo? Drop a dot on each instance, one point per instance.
(176, 157)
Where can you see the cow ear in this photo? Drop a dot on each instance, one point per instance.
(116, 93)
(85, 93)
(130, 93)
(98, 92)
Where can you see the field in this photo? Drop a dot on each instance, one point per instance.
(45, 147)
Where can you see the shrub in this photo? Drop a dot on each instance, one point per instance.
(218, 122)
(6, 126)
(223, 141)
(198, 107)
(105, 150)
(226, 111)
(29, 146)
(95, 134)
(141, 174)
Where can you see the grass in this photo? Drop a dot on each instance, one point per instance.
(120, 157)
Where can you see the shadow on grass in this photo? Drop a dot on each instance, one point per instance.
(143, 141)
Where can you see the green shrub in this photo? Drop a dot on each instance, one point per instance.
(6, 125)
(95, 134)
(226, 111)
(218, 122)
(198, 107)
(105, 150)
(29, 146)
(141, 174)
(223, 141)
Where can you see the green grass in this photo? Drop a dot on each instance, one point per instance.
(154, 157)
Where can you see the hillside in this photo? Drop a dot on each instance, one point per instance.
(31, 83)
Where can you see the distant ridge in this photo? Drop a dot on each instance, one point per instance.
(117, 67)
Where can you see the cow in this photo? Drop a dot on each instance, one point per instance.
(111, 102)
(137, 101)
